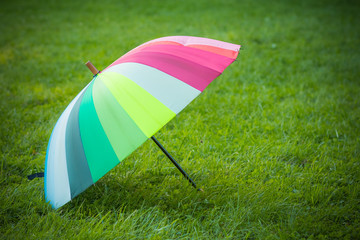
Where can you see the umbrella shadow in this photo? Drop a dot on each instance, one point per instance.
(111, 193)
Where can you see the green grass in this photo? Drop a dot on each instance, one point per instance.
(274, 141)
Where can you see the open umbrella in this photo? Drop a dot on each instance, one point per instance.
(126, 104)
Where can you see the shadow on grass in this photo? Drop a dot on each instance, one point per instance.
(147, 190)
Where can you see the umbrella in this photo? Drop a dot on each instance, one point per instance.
(126, 104)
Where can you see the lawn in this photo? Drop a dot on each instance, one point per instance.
(274, 141)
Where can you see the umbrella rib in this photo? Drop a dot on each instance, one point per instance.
(175, 163)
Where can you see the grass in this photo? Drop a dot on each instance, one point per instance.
(274, 141)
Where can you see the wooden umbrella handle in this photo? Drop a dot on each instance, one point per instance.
(92, 68)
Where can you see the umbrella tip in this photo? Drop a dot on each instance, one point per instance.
(92, 68)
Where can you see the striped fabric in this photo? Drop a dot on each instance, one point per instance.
(126, 104)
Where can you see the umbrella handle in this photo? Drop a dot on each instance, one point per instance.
(176, 164)
(35, 175)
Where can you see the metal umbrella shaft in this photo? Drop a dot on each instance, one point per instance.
(175, 163)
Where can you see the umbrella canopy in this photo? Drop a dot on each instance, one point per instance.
(126, 104)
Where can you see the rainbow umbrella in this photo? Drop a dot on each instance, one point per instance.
(126, 104)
